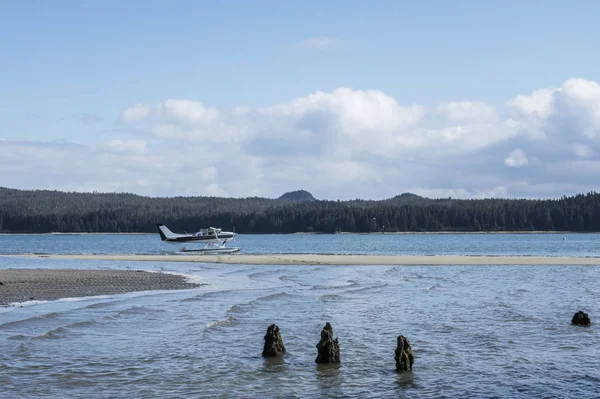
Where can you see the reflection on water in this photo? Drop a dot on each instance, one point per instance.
(274, 363)
(329, 380)
(404, 377)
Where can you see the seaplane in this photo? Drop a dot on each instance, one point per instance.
(212, 238)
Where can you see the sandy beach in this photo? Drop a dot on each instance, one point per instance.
(314, 259)
(21, 285)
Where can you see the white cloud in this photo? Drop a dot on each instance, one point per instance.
(572, 109)
(135, 113)
(538, 104)
(321, 43)
(468, 112)
(185, 111)
(345, 143)
(351, 110)
(127, 146)
(516, 159)
(582, 150)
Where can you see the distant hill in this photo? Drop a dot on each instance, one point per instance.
(298, 196)
(408, 198)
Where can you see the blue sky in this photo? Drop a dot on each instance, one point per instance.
(70, 69)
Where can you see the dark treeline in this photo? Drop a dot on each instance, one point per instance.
(42, 211)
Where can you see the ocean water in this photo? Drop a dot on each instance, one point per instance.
(476, 331)
(382, 244)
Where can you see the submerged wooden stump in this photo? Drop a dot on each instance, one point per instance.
(404, 355)
(273, 342)
(581, 319)
(328, 348)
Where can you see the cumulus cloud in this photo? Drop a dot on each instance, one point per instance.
(572, 109)
(538, 104)
(135, 113)
(516, 159)
(345, 143)
(468, 112)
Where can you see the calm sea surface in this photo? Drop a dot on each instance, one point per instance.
(476, 331)
(382, 244)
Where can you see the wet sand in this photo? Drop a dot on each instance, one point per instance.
(313, 259)
(21, 285)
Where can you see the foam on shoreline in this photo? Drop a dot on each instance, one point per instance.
(316, 259)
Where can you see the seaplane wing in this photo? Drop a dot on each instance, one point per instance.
(205, 235)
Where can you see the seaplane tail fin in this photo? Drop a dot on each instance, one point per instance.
(164, 232)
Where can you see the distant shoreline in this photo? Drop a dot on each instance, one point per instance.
(339, 233)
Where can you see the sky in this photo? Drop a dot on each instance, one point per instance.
(461, 99)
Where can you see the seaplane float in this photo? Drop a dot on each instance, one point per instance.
(212, 238)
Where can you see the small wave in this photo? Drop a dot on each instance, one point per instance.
(271, 297)
(206, 295)
(239, 271)
(266, 273)
(48, 316)
(136, 310)
(56, 333)
(18, 337)
(242, 308)
(101, 305)
(85, 323)
(349, 284)
(329, 298)
(235, 309)
(62, 331)
(364, 289)
(220, 323)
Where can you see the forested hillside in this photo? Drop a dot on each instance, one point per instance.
(42, 211)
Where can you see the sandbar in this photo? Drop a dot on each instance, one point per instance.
(22, 285)
(320, 259)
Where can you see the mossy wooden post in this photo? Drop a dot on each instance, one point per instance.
(581, 319)
(328, 348)
(404, 355)
(273, 342)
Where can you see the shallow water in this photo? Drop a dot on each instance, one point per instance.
(476, 331)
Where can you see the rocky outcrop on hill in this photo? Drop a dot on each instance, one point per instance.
(404, 355)
(581, 319)
(328, 348)
(273, 342)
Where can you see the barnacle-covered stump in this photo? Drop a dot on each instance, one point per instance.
(328, 348)
(404, 355)
(273, 342)
(581, 319)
